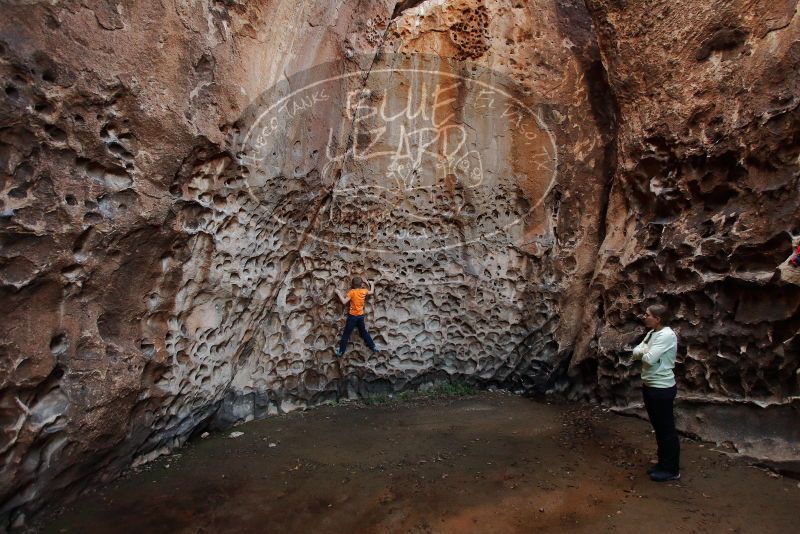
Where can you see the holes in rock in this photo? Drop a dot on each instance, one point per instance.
(51, 22)
(117, 180)
(706, 229)
(156, 374)
(719, 196)
(44, 108)
(55, 133)
(82, 240)
(205, 67)
(108, 325)
(763, 256)
(724, 39)
(120, 151)
(58, 372)
(147, 348)
(20, 192)
(59, 344)
(73, 272)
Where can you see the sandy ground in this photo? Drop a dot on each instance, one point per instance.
(491, 462)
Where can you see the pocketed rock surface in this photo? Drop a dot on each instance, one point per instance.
(519, 178)
(703, 211)
(488, 463)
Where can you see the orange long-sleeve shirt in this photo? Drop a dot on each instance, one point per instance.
(357, 297)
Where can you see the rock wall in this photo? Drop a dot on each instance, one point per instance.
(703, 208)
(169, 260)
(186, 184)
(106, 106)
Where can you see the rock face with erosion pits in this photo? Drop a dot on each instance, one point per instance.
(185, 185)
(703, 209)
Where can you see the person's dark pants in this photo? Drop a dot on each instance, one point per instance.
(659, 403)
(354, 321)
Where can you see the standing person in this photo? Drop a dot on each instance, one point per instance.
(657, 352)
(355, 317)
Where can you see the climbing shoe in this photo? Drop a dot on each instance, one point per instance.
(664, 476)
(337, 352)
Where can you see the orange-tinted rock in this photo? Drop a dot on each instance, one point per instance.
(185, 185)
(703, 209)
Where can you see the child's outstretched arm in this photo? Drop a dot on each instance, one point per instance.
(342, 298)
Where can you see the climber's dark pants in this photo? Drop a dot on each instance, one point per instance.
(352, 322)
(659, 403)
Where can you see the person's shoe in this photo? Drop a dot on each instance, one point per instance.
(375, 349)
(664, 476)
(653, 467)
(337, 352)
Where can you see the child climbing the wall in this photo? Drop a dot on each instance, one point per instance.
(355, 317)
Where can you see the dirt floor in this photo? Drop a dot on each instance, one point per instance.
(491, 462)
